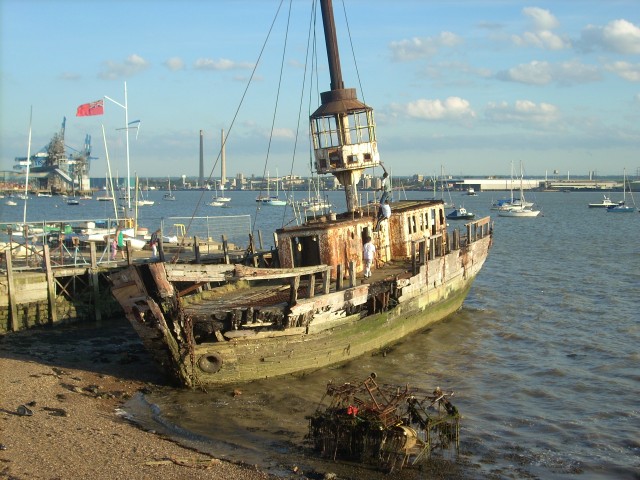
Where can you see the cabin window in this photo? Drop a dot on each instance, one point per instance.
(433, 221)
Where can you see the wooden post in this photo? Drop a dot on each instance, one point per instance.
(93, 257)
(12, 293)
(326, 280)
(312, 285)
(413, 257)
(293, 293)
(422, 252)
(260, 239)
(339, 276)
(51, 286)
(196, 249)
(95, 283)
(129, 253)
(225, 249)
(352, 273)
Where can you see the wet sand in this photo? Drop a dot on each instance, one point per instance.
(70, 381)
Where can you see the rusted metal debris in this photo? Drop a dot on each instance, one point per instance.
(385, 426)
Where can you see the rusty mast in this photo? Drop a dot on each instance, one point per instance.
(342, 128)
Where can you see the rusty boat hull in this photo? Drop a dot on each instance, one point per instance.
(221, 324)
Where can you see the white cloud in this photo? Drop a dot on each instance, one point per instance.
(626, 70)
(174, 64)
(222, 64)
(133, 64)
(283, 133)
(414, 48)
(452, 108)
(522, 112)
(541, 19)
(619, 36)
(543, 73)
(541, 36)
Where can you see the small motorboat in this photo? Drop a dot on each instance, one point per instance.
(606, 203)
(460, 214)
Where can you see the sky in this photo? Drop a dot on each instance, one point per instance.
(463, 87)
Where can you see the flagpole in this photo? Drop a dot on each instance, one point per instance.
(126, 127)
(126, 132)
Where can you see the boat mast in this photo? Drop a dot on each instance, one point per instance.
(342, 128)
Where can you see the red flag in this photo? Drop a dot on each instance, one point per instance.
(93, 108)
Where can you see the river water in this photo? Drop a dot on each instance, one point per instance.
(543, 359)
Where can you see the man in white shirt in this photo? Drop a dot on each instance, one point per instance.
(368, 254)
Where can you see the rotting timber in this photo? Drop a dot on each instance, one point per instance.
(212, 324)
(385, 426)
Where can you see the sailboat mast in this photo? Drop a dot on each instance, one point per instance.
(223, 161)
(26, 179)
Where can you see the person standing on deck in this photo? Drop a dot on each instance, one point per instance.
(154, 243)
(386, 185)
(383, 214)
(368, 254)
(121, 244)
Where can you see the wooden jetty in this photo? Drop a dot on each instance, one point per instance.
(47, 285)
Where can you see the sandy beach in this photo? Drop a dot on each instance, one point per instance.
(60, 394)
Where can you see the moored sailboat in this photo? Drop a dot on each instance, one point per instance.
(621, 206)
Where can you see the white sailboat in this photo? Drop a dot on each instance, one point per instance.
(274, 200)
(622, 206)
(144, 201)
(520, 209)
(219, 200)
(106, 197)
(169, 195)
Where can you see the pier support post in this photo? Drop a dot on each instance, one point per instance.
(12, 292)
(51, 286)
(95, 283)
(196, 249)
(225, 249)
(339, 276)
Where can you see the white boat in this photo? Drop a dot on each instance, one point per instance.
(144, 201)
(523, 209)
(605, 203)
(169, 195)
(442, 182)
(10, 203)
(274, 200)
(460, 213)
(622, 206)
(471, 192)
(215, 203)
